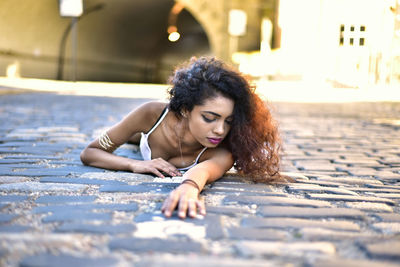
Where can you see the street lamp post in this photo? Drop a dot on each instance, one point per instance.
(236, 28)
(71, 26)
(72, 9)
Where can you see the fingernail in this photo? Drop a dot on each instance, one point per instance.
(192, 214)
(182, 214)
(167, 213)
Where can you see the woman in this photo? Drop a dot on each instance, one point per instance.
(213, 121)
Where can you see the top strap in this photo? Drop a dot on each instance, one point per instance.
(159, 120)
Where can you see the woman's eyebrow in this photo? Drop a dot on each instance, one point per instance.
(212, 113)
(216, 114)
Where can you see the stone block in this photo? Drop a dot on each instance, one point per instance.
(80, 181)
(256, 234)
(370, 206)
(41, 187)
(71, 206)
(64, 260)
(230, 211)
(331, 197)
(97, 229)
(284, 223)
(292, 249)
(151, 245)
(65, 199)
(6, 218)
(76, 216)
(384, 250)
(389, 217)
(337, 261)
(302, 188)
(14, 228)
(305, 212)
(273, 200)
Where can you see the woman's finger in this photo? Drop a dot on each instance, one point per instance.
(171, 204)
(192, 208)
(201, 206)
(183, 207)
(166, 167)
(156, 172)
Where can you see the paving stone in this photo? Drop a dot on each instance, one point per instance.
(331, 197)
(214, 227)
(230, 211)
(64, 260)
(351, 180)
(203, 260)
(149, 245)
(388, 227)
(386, 250)
(174, 227)
(336, 261)
(14, 228)
(76, 216)
(6, 218)
(320, 234)
(374, 190)
(369, 206)
(300, 188)
(132, 189)
(395, 187)
(243, 233)
(322, 183)
(292, 249)
(80, 181)
(388, 195)
(2, 206)
(128, 207)
(389, 217)
(63, 199)
(148, 216)
(272, 200)
(12, 179)
(304, 212)
(97, 229)
(299, 223)
(41, 187)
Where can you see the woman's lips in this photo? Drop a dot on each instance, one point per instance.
(215, 141)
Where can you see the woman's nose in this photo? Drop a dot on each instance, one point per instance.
(219, 129)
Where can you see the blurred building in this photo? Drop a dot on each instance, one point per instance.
(120, 40)
(348, 42)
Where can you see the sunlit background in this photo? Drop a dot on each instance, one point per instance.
(315, 44)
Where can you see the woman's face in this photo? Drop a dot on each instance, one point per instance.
(210, 123)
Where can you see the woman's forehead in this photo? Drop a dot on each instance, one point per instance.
(218, 104)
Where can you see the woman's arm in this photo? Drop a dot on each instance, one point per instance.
(186, 196)
(139, 120)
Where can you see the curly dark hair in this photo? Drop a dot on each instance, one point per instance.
(253, 139)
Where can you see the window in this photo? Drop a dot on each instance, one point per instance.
(352, 35)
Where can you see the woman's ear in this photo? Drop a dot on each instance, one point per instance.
(184, 113)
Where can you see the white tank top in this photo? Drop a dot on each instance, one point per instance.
(145, 149)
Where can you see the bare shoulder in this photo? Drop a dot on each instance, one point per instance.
(146, 114)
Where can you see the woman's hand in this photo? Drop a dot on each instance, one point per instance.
(186, 198)
(155, 166)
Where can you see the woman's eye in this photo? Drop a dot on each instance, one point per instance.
(207, 119)
(229, 122)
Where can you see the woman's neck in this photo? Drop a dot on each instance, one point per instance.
(181, 136)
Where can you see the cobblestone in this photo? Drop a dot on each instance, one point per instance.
(342, 208)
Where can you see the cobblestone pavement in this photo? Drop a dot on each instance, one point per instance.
(342, 209)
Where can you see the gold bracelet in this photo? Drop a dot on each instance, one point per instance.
(105, 141)
(191, 182)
